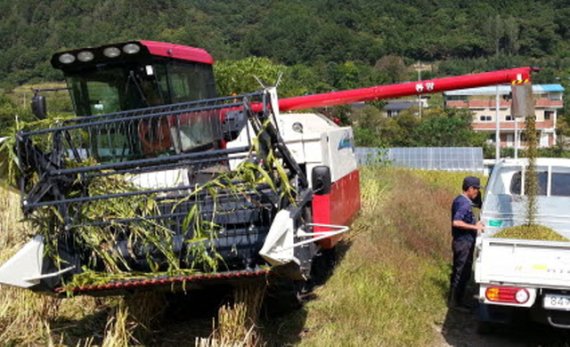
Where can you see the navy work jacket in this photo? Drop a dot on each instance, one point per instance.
(462, 209)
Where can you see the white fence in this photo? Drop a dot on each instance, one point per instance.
(426, 158)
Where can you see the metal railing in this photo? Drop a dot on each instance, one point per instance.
(161, 157)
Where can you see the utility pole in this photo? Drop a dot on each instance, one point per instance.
(498, 30)
(516, 137)
(419, 67)
(419, 95)
(497, 130)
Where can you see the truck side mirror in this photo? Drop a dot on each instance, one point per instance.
(321, 180)
(39, 108)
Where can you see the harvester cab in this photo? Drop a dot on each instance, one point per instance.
(142, 75)
(136, 74)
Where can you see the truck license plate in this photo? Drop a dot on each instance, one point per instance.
(556, 302)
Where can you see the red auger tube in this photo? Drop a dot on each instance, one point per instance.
(436, 85)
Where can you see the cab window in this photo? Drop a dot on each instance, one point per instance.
(103, 98)
(191, 82)
(516, 183)
(560, 184)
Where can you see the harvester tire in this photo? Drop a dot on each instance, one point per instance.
(323, 266)
(283, 296)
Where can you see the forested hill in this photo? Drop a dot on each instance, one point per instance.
(461, 35)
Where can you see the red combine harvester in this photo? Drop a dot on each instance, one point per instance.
(148, 115)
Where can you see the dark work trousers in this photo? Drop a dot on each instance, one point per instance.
(462, 262)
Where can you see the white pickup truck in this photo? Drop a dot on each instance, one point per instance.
(524, 278)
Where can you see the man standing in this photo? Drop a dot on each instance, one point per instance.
(464, 229)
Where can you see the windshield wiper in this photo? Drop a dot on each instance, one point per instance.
(133, 78)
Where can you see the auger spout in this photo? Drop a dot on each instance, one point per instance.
(435, 85)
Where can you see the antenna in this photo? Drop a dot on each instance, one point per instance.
(259, 81)
(278, 79)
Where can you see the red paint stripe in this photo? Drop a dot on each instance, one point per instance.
(171, 50)
(138, 283)
(339, 207)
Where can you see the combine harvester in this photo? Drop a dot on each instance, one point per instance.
(218, 190)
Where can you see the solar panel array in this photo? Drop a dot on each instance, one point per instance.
(425, 158)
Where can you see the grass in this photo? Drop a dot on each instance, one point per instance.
(450, 181)
(389, 288)
(27, 318)
(57, 102)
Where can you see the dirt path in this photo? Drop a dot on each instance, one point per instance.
(460, 329)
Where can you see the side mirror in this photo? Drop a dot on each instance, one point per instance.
(233, 124)
(321, 180)
(39, 108)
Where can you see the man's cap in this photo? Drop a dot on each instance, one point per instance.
(471, 181)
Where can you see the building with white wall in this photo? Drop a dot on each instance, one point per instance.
(481, 101)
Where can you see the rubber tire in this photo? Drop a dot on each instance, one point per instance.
(283, 296)
(323, 266)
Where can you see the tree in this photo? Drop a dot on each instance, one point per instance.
(393, 67)
(239, 76)
(563, 131)
(8, 114)
(407, 123)
(531, 179)
(449, 128)
(344, 76)
(371, 129)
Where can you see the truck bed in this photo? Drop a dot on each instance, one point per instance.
(544, 264)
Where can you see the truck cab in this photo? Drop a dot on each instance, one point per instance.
(505, 197)
(525, 277)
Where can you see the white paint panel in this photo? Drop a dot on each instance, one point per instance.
(321, 142)
(341, 150)
(160, 179)
(27, 263)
